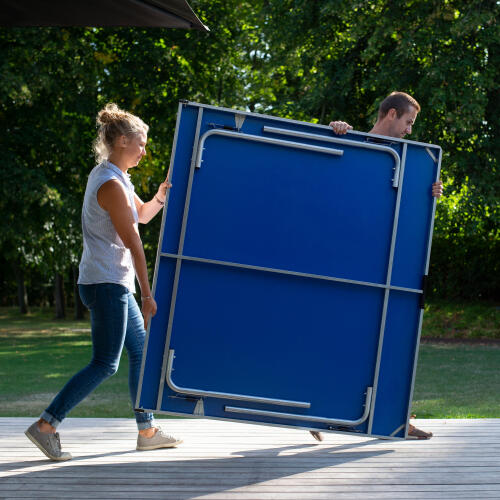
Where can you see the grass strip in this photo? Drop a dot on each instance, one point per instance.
(39, 354)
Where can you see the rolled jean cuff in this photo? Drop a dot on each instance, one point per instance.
(50, 419)
(146, 425)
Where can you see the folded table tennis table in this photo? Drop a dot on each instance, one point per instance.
(290, 274)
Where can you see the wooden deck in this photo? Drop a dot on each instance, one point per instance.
(225, 460)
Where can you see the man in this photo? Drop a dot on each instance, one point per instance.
(396, 116)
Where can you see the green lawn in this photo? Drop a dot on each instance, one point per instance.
(38, 354)
(453, 320)
(37, 357)
(457, 381)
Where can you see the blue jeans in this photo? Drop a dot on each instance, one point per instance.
(115, 320)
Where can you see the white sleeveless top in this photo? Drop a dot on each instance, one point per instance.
(105, 258)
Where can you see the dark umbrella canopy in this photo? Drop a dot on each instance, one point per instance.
(152, 13)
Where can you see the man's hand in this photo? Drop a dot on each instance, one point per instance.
(437, 189)
(340, 127)
(148, 309)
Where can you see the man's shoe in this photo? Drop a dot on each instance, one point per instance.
(49, 444)
(415, 433)
(159, 440)
(317, 435)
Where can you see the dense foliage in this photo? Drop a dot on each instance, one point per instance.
(307, 60)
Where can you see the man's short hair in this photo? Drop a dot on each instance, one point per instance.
(400, 101)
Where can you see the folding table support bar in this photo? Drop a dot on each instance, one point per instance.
(225, 395)
(308, 418)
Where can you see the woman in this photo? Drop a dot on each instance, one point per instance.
(112, 257)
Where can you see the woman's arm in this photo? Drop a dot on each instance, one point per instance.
(146, 211)
(113, 198)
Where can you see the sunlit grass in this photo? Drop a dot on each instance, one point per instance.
(457, 381)
(471, 321)
(38, 355)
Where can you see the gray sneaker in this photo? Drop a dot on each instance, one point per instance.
(48, 443)
(159, 440)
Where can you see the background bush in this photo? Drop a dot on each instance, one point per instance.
(313, 61)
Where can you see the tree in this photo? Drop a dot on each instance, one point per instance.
(54, 82)
(307, 60)
(338, 59)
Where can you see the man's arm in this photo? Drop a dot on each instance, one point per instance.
(342, 128)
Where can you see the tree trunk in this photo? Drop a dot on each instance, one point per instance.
(219, 92)
(323, 112)
(79, 308)
(59, 296)
(22, 294)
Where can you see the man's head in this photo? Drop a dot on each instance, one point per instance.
(396, 115)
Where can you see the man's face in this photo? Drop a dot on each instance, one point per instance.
(399, 127)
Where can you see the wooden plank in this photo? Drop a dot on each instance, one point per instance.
(71, 495)
(181, 471)
(251, 482)
(93, 489)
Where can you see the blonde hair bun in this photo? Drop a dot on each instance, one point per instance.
(112, 123)
(109, 113)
